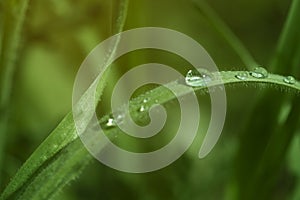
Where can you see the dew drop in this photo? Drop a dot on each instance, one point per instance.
(110, 122)
(289, 80)
(242, 76)
(199, 77)
(145, 100)
(142, 108)
(259, 72)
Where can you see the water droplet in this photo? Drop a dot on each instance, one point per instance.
(110, 122)
(199, 77)
(145, 100)
(142, 108)
(289, 80)
(242, 76)
(259, 72)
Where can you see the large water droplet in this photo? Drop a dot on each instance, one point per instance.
(197, 78)
(289, 80)
(259, 72)
(242, 76)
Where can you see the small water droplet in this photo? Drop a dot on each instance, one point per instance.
(110, 122)
(199, 77)
(289, 80)
(145, 100)
(242, 76)
(259, 72)
(142, 108)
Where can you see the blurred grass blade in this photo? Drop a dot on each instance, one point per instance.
(223, 29)
(286, 59)
(45, 157)
(263, 163)
(62, 156)
(12, 14)
(294, 165)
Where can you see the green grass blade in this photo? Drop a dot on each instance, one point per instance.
(58, 159)
(286, 58)
(12, 14)
(64, 134)
(263, 164)
(223, 29)
(61, 157)
(64, 167)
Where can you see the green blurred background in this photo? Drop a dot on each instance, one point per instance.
(59, 34)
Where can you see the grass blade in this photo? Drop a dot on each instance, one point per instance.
(61, 137)
(61, 157)
(222, 28)
(286, 58)
(263, 164)
(11, 20)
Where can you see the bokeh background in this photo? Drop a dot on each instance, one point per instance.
(59, 34)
